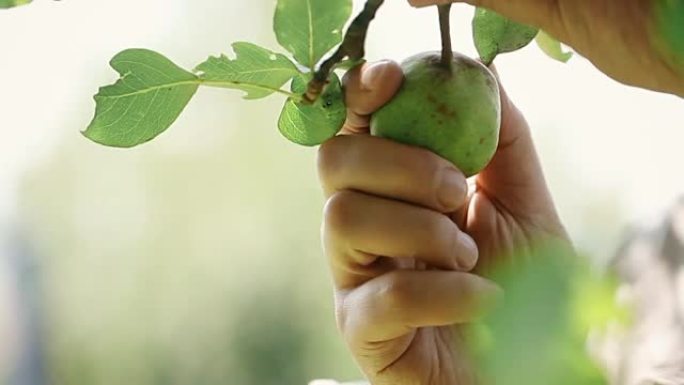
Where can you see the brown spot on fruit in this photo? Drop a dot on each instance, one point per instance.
(445, 110)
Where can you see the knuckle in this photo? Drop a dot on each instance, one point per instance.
(338, 212)
(423, 161)
(440, 229)
(341, 314)
(394, 291)
(445, 238)
(428, 168)
(331, 158)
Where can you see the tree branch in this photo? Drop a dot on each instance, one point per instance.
(353, 47)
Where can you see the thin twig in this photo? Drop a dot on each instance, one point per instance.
(353, 47)
(445, 29)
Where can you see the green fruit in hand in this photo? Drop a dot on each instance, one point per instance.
(454, 112)
(494, 34)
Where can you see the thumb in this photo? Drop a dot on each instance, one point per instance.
(366, 89)
(514, 177)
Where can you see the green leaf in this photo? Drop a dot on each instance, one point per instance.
(532, 336)
(495, 34)
(255, 70)
(148, 97)
(552, 47)
(310, 28)
(670, 23)
(13, 3)
(594, 304)
(313, 124)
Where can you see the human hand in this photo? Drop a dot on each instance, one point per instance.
(403, 237)
(635, 42)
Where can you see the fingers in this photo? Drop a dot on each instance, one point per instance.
(367, 88)
(359, 228)
(394, 304)
(385, 168)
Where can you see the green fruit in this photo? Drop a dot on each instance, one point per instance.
(454, 112)
(494, 34)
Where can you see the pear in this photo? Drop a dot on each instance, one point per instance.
(452, 110)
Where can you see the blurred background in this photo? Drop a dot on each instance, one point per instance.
(195, 258)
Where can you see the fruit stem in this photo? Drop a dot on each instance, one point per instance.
(353, 47)
(445, 29)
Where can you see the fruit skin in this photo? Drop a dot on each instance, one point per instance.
(455, 113)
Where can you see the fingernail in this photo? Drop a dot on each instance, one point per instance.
(372, 75)
(451, 193)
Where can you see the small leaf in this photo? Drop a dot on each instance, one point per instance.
(255, 70)
(552, 47)
(495, 34)
(13, 3)
(313, 124)
(310, 28)
(144, 102)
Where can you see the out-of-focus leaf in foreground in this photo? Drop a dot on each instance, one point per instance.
(537, 336)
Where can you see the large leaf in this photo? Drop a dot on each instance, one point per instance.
(255, 70)
(144, 102)
(12, 3)
(495, 34)
(552, 47)
(313, 124)
(310, 28)
(670, 23)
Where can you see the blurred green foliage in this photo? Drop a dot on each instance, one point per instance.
(671, 22)
(187, 265)
(537, 336)
(13, 3)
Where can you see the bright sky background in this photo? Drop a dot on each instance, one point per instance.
(603, 145)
